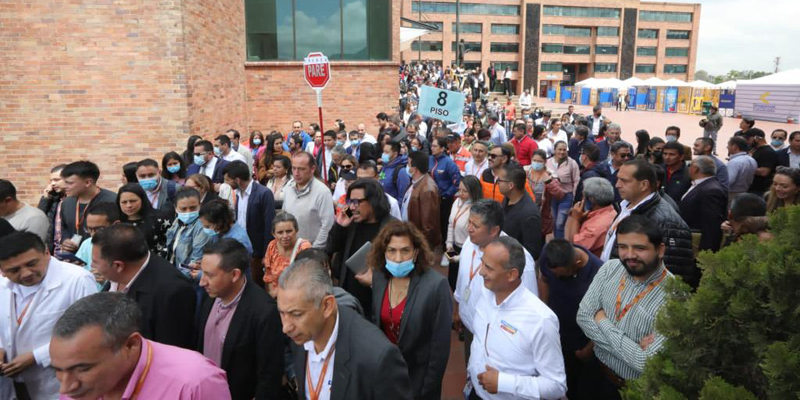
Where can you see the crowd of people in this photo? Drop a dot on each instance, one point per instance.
(337, 264)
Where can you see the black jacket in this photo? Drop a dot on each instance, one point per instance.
(678, 257)
(167, 300)
(596, 171)
(676, 185)
(605, 168)
(260, 212)
(366, 365)
(252, 354)
(704, 209)
(49, 205)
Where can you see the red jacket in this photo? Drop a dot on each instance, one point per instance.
(523, 149)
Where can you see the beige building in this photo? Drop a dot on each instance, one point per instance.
(556, 42)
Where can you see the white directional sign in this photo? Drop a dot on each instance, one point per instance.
(441, 104)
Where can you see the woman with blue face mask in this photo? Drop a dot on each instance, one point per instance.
(411, 303)
(185, 238)
(173, 168)
(219, 223)
(135, 209)
(546, 188)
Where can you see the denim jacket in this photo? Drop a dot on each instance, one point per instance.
(191, 242)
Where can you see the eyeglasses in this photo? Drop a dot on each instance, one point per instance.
(626, 155)
(498, 180)
(203, 154)
(92, 231)
(347, 167)
(354, 202)
(493, 156)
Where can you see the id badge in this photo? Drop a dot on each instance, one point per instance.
(468, 389)
(467, 292)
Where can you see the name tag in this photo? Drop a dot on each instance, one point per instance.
(504, 325)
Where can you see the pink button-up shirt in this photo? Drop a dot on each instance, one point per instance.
(216, 329)
(176, 374)
(593, 231)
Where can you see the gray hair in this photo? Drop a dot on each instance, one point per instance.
(117, 314)
(283, 216)
(339, 150)
(599, 191)
(516, 254)
(615, 126)
(311, 277)
(620, 144)
(706, 165)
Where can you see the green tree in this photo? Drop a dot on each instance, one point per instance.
(738, 336)
(702, 75)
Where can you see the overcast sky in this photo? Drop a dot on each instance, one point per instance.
(747, 34)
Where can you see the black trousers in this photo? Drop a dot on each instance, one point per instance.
(452, 270)
(595, 384)
(507, 87)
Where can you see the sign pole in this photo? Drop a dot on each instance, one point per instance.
(319, 106)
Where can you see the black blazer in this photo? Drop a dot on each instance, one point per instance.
(366, 365)
(260, 212)
(704, 209)
(217, 176)
(425, 344)
(783, 156)
(366, 151)
(333, 171)
(167, 300)
(252, 355)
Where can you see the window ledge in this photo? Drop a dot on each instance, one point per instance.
(354, 63)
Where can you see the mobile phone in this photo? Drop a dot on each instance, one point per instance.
(69, 257)
(450, 254)
(348, 212)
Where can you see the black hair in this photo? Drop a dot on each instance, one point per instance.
(317, 255)
(748, 205)
(442, 142)
(674, 146)
(673, 128)
(520, 127)
(538, 131)
(121, 242)
(5, 228)
(644, 172)
(237, 170)
(484, 134)
(147, 162)
(643, 225)
(582, 131)
(190, 146)
(591, 152)
(374, 194)
(559, 253)
(129, 170)
(491, 212)
(654, 141)
(236, 134)
(185, 193)
(395, 146)
(7, 190)
(382, 116)
(473, 186)
(108, 210)
(515, 174)
(20, 242)
(57, 168)
(707, 142)
(739, 142)
(329, 133)
(83, 169)
(793, 134)
(205, 144)
(224, 139)
(136, 189)
(166, 159)
(232, 254)
(749, 121)
(285, 161)
(369, 164)
(540, 153)
(419, 160)
(218, 213)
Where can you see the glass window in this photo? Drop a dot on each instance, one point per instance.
(646, 68)
(674, 69)
(680, 35)
(583, 68)
(468, 65)
(551, 67)
(604, 49)
(552, 48)
(665, 16)
(469, 27)
(427, 45)
(588, 12)
(439, 25)
(470, 47)
(646, 51)
(567, 30)
(607, 31)
(677, 52)
(605, 67)
(466, 8)
(502, 65)
(289, 30)
(648, 33)
(504, 47)
(577, 49)
(505, 29)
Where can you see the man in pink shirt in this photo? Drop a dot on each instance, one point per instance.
(590, 218)
(97, 352)
(524, 146)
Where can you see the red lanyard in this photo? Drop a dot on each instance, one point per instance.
(140, 383)
(314, 392)
(471, 266)
(24, 311)
(636, 299)
(435, 164)
(79, 221)
(465, 207)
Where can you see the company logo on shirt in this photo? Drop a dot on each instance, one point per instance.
(504, 325)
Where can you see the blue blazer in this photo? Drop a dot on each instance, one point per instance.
(217, 177)
(260, 212)
(447, 175)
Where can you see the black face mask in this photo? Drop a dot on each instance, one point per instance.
(657, 153)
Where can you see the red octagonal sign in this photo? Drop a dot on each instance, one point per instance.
(317, 70)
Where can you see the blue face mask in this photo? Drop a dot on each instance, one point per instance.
(188, 217)
(385, 158)
(217, 151)
(148, 184)
(408, 171)
(414, 148)
(671, 138)
(399, 270)
(537, 166)
(340, 143)
(777, 143)
(355, 142)
(174, 169)
(199, 160)
(257, 142)
(209, 232)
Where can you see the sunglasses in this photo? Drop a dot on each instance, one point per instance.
(626, 155)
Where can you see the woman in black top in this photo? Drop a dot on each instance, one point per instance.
(135, 209)
(173, 168)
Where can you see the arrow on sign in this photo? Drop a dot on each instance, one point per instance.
(764, 98)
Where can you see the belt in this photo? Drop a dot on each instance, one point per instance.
(612, 376)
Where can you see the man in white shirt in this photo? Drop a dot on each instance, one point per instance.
(310, 201)
(479, 162)
(34, 291)
(21, 216)
(364, 136)
(235, 138)
(498, 132)
(223, 149)
(525, 101)
(516, 352)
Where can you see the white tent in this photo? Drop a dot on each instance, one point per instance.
(773, 97)
(653, 81)
(702, 85)
(729, 85)
(586, 82)
(632, 81)
(407, 35)
(675, 82)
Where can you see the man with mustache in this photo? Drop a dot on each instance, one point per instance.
(619, 309)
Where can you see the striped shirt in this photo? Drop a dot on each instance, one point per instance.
(617, 342)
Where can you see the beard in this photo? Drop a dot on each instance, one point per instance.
(638, 268)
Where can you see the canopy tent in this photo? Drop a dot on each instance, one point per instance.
(773, 97)
(653, 81)
(728, 85)
(702, 85)
(407, 36)
(675, 83)
(632, 81)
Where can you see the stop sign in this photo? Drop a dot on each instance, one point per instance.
(317, 70)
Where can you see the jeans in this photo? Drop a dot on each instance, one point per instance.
(560, 213)
(713, 136)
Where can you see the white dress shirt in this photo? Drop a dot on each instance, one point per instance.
(561, 136)
(394, 208)
(208, 168)
(694, 185)
(611, 236)
(234, 156)
(468, 291)
(317, 360)
(242, 199)
(518, 337)
(475, 170)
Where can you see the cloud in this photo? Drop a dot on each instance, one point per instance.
(747, 35)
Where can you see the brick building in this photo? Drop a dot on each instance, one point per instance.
(547, 43)
(119, 81)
